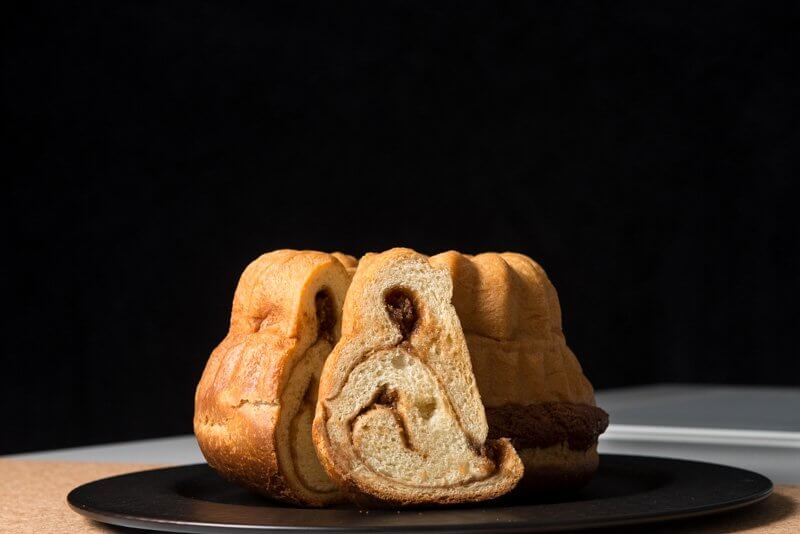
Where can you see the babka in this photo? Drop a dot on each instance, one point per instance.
(255, 401)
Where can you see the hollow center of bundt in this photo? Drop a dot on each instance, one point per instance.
(401, 309)
(326, 316)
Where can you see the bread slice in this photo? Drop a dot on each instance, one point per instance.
(255, 401)
(399, 418)
(531, 383)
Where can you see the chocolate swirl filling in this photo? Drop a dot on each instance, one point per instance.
(547, 424)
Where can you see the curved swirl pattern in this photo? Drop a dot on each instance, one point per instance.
(399, 418)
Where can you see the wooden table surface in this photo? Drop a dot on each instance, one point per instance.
(33, 499)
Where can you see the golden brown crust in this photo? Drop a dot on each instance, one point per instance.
(350, 263)
(247, 383)
(398, 323)
(364, 496)
(511, 317)
(512, 320)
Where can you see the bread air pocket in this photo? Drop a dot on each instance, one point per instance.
(255, 401)
(399, 419)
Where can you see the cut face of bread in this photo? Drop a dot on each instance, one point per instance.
(532, 385)
(255, 402)
(399, 418)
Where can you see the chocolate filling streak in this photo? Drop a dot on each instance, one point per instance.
(386, 398)
(547, 424)
(401, 310)
(326, 315)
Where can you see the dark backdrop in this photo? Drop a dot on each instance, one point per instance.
(642, 152)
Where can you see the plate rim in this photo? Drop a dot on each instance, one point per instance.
(193, 526)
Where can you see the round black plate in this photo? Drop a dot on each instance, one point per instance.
(626, 490)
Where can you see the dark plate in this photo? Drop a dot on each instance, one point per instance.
(626, 490)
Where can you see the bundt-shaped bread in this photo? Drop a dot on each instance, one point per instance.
(531, 384)
(399, 418)
(256, 399)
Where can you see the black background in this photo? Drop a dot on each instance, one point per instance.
(644, 153)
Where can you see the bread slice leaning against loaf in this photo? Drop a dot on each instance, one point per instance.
(399, 419)
(255, 401)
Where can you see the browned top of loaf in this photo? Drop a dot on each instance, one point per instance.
(349, 262)
(511, 317)
(272, 319)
